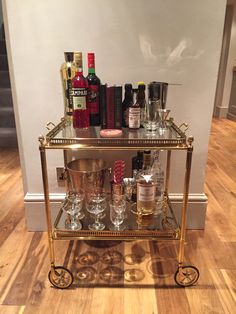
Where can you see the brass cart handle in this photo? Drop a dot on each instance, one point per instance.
(50, 126)
(185, 126)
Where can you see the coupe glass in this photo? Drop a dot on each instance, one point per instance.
(73, 205)
(96, 204)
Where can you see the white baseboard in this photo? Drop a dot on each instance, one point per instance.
(36, 220)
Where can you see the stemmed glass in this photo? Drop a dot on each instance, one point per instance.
(72, 205)
(96, 204)
(117, 213)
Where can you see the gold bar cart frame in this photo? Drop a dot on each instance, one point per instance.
(185, 275)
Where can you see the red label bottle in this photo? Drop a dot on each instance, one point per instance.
(79, 95)
(93, 92)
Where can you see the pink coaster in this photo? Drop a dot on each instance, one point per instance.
(111, 133)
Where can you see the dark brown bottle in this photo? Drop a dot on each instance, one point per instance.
(127, 102)
(137, 162)
(141, 100)
(93, 92)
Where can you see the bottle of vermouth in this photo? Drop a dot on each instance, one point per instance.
(93, 91)
(146, 187)
(79, 95)
(126, 104)
(67, 73)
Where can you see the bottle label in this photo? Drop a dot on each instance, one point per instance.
(93, 99)
(68, 94)
(134, 118)
(79, 98)
(146, 193)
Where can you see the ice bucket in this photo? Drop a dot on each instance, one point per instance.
(87, 174)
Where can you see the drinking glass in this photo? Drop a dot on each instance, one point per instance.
(117, 214)
(162, 116)
(151, 116)
(96, 204)
(72, 205)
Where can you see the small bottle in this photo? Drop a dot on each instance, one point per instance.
(141, 100)
(79, 95)
(134, 116)
(67, 73)
(146, 187)
(126, 104)
(93, 92)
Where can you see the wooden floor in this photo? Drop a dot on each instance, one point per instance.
(110, 286)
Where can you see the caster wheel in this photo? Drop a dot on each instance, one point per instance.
(60, 277)
(186, 276)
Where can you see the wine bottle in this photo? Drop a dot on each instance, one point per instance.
(79, 95)
(141, 101)
(67, 73)
(93, 92)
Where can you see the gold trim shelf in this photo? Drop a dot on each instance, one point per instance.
(162, 226)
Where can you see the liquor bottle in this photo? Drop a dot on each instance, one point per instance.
(147, 160)
(134, 116)
(141, 100)
(159, 175)
(146, 187)
(137, 163)
(67, 73)
(127, 102)
(93, 92)
(79, 95)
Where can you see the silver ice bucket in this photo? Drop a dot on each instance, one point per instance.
(87, 174)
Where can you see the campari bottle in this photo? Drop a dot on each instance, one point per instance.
(79, 95)
(93, 92)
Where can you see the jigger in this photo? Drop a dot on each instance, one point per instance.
(162, 114)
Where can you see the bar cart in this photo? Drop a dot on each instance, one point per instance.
(64, 137)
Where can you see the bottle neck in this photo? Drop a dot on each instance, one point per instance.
(79, 71)
(146, 160)
(91, 71)
(129, 96)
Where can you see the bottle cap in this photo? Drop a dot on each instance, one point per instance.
(69, 56)
(141, 86)
(91, 60)
(128, 86)
(90, 55)
(78, 58)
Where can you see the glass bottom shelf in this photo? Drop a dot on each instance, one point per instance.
(162, 226)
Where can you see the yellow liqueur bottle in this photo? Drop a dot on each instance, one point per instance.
(67, 74)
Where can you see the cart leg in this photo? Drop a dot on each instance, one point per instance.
(167, 180)
(185, 204)
(47, 205)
